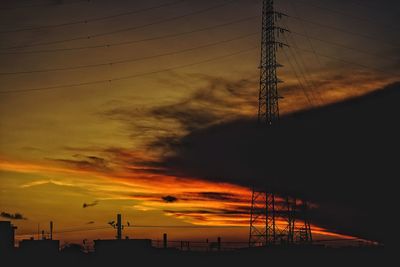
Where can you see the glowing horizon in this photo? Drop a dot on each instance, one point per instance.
(92, 103)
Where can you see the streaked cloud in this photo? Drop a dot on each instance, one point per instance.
(169, 199)
(92, 204)
(12, 216)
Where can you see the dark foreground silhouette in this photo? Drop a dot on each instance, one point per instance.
(343, 157)
(299, 256)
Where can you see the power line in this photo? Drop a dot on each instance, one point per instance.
(346, 31)
(348, 62)
(298, 79)
(45, 4)
(187, 226)
(306, 77)
(311, 46)
(124, 29)
(373, 7)
(325, 41)
(307, 35)
(127, 77)
(313, 51)
(64, 231)
(373, 21)
(80, 229)
(94, 19)
(344, 46)
(302, 69)
(109, 45)
(130, 60)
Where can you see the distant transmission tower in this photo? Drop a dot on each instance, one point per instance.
(262, 219)
(304, 233)
(263, 227)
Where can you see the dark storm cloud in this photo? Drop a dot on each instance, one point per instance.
(219, 100)
(11, 216)
(342, 79)
(198, 109)
(190, 117)
(396, 61)
(222, 100)
(327, 155)
(336, 156)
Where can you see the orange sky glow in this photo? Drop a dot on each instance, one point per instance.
(63, 145)
(140, 197)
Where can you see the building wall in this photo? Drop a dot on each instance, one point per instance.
(46, 246)
(122, 246)
(7, 236)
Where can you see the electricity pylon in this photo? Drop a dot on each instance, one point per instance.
(263, 215)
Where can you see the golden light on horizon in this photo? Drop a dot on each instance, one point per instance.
(121, 106)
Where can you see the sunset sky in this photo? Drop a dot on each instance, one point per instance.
(90, 92)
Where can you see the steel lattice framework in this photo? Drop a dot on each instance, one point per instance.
(278, 221)
(268, 106)
(304, 235)
(263, 229)
(262, 219)
(265, 210)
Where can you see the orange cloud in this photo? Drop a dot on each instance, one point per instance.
(198, 202)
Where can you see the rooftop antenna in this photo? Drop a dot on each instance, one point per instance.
(118, 226)
(51, 230)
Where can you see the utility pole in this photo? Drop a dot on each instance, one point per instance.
(119, 226)
(165, 241)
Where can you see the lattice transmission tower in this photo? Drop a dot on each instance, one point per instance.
(274, 220)
(264, 208)
(268, 102)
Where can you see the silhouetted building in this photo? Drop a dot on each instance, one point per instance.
(39, 247)
(124, 246)
(7, 236)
